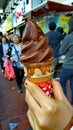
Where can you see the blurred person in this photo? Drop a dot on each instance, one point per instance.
(9, 38)
(54, 41)
(1, 34)
(67, 68)
(47, 113)
(61, 32)
(15, 58)
(3, 51)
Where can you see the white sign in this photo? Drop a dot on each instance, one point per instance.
(20, 10)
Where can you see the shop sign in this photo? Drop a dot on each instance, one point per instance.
(20, 10)
(61, 21)
(64, 22)
(42, 24)
(52, 19)
(8, 23)
(18, 14)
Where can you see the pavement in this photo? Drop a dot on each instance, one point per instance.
(13, 107)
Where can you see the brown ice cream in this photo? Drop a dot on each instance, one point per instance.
(36, 54)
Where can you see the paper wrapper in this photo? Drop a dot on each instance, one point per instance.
(40, 74)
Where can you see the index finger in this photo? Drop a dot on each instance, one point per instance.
(39, 95)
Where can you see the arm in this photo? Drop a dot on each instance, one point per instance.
(1, 51)
(46, 113)
(70, 125)
(65, 45)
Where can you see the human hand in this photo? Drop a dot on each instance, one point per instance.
(46, 113)
(11, 59)
(3, 58)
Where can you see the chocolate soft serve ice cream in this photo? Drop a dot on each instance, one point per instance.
(36, 54)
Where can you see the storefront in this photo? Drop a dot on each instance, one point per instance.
(50, 11)
(42, 14)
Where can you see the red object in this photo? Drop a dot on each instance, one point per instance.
(9, 71)
(51, 6)
(46, 86)
(19, 13)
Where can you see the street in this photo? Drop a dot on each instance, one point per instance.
(13, 107)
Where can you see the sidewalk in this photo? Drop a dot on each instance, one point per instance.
(13, 107)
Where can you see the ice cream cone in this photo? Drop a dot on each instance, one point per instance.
(37, 56)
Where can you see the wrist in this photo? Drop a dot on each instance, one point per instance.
(70, 125)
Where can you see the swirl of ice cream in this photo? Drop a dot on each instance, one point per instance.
(35, 47)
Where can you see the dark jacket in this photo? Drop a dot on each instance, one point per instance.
(8, 51)
(54, 38)
(1, 52)
(67, 49)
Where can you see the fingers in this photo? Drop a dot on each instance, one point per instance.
(39, 96)
(30, 118)
(57, 90)
(33, 120)
(32, 102)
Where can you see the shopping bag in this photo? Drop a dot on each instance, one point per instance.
(9, 71)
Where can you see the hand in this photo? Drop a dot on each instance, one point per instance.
(46, 113)
(11, 59)
(3, 58)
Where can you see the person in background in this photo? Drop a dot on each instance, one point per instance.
(61, 32)
(48, 113)
(54, 41)
(15, 58)
(1, 34)
(67, 68)
(9, 38)
(3, 51)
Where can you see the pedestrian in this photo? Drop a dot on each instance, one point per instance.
(54, 41)
(44, 113)
(1, 34)
(15, 58)
(9, 38)
(61, 32)
(3, 51)
(67, 68)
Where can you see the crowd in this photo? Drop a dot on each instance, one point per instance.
(11, 48)
(62, 44)
(45, 114)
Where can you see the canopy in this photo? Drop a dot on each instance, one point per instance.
(50, 6)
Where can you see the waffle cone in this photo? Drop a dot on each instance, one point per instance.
(37, 72)
(40, 79)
